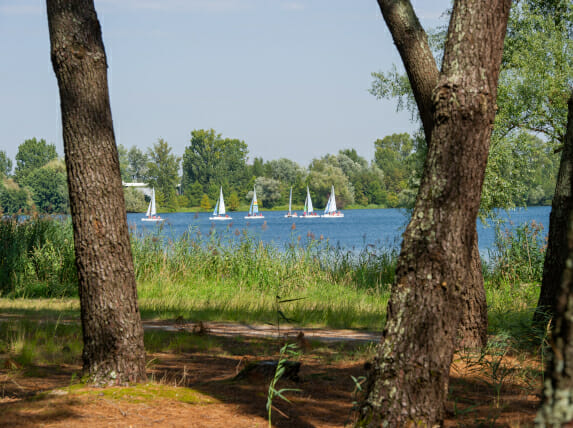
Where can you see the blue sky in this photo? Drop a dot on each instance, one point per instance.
(290, 78)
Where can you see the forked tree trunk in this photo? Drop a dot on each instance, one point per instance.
(557, 245)
(557, 406)
(112, 332)
(412, 44)
(409, 379)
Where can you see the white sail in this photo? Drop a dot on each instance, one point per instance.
(151, 214)
(254, 203)
(332, 202)
(219, 212)
(254, 208)
(310, 207)
(216, 210)
(331, 209)
(221, 203)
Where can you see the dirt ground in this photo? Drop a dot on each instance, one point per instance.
(199, 389)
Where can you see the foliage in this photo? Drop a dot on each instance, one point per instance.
(49, 187)
(5, 164)
(284, 170)
(537, 71)
(210, 159)
(138, 168)
(163, 173)
(134, 200)
(14, 199)
(534, 86)
(33, 154)
(206, 202)
(268, 192)
(326, 172)
(233, 202)
(195, 194)
(123, 163)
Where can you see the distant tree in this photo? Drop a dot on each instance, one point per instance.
(268, 192)
(285, 170)
(206, 202)
(258, 168)
(234, 202)
(111, 324)
(392, 155)
(134, 200)
(138, 169)
(33, 154)
(13, 198)
(5, 164)
(163, 172)
(353, 155)
(210, 159)
(49, 187)
(123, 163)
(324, 173)
(368, 186)
(194, 194)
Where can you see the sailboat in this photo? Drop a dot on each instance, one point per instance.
(254, 208)
(219, 212)
(151, 214)
(330, 211)
(308, 209)
(290, 213)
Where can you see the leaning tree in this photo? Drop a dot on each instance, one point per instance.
(112, 332)
(408, 382)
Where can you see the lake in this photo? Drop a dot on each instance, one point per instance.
(382, 228)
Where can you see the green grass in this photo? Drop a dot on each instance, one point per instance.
(232, 277)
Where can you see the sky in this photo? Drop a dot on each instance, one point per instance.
(290, 78)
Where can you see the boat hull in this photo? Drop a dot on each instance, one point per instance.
(340, 215)
(153, 220)
(220, 218)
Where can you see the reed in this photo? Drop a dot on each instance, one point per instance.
(233, 276)
(37, 257)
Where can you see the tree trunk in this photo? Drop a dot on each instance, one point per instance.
(412, 44)
(112, 332)
(557, 244)
(557, 406)
(409, 379)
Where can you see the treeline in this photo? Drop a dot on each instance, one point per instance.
(38, 183)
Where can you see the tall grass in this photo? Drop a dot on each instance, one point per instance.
(37, 257)
(233, 276)
(518, 255)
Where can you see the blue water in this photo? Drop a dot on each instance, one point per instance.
(382, 228)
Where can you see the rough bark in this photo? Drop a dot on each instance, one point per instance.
(557, 247)
(112, 332)
(412, 44)
(557, 407)
(408, 382)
